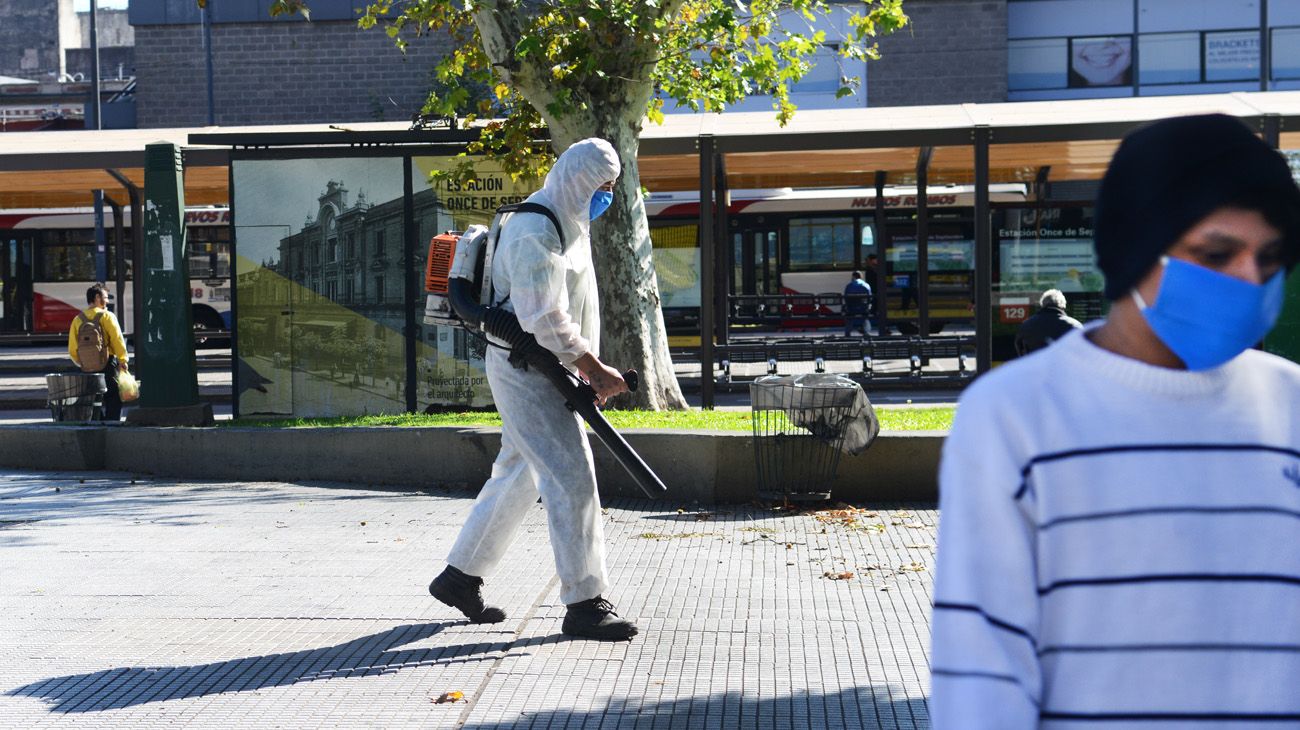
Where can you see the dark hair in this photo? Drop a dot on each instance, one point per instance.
(857, 275)
(96, 289)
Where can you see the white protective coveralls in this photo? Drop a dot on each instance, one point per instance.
(551, 286)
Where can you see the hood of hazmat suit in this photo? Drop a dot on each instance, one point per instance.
(551, 283)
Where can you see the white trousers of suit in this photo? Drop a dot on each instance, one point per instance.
(544, 450)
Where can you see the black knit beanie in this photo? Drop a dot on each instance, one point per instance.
(1167, 176)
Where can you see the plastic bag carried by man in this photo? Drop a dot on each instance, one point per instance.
(548, 280)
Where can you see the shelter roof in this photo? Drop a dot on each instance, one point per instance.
(818, 148)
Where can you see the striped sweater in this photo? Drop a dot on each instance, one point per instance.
(1119, 546)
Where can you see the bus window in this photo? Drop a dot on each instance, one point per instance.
(868, 240)
(65, 263)
(821, 243)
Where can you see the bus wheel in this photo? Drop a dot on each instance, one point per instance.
(206, 322)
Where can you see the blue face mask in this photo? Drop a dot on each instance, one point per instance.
(600, 203)
(1207, 318)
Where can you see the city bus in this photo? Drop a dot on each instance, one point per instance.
(48, 260)
(790, 242)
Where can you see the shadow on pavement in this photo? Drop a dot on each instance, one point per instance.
(858, 707)
(122, 687)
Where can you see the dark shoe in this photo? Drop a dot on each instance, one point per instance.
(463, 593)
(595, 619)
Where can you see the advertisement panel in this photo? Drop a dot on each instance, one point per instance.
(319, 286)
(450, 372)
(1039, 249)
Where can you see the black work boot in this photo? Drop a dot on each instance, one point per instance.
(595, 619)
(462, 592)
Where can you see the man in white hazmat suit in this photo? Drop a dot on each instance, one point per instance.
(546, 277)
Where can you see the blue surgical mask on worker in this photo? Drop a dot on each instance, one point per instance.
(600, 203)
(1207, 318)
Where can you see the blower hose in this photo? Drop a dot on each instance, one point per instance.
(580, 397)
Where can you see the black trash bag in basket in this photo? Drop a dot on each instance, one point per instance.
(802, 423)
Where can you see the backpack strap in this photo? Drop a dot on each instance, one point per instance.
(527, 207)
(98, 316)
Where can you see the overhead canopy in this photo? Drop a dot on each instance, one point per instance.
(819, 148)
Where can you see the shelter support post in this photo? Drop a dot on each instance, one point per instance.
(1041, 182)
(922, 280)
(722, 249)
(137, 250)
(707, 166)
(983, 254)
(119, 256)
(101, 239)
(410, 287)
(1271, 129)
(879, 288)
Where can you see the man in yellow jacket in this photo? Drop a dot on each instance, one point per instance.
(113, 353)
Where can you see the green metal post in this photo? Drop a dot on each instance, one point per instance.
(169, 391)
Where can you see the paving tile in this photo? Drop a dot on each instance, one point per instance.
(137, 602)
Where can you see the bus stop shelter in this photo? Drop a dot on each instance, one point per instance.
(1034, 143)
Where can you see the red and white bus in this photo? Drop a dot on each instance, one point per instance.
(786, 242)
(48, 260)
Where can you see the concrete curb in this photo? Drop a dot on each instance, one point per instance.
(706, 467)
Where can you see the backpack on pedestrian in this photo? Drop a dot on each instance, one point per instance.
(92, 346)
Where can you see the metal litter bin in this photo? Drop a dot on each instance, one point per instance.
(76, 396)
(802, 424)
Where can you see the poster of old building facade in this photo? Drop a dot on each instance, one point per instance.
(322, 290)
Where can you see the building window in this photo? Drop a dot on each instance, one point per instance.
(826, 73)
(1286, 53)
(1169, 58)
(1184, 57)
(347, 290)
(379, 243)
(379, 290)
(352, 246)
(1039, 63)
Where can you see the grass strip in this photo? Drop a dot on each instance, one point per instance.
(891, 419)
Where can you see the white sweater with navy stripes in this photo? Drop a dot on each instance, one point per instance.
(1119, 546)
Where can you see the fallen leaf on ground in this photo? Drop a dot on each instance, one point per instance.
(446, 697)
(834, 575)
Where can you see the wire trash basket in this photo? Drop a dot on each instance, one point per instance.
(75, 397)
(802, 426)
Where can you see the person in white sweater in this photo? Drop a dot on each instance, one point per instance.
(1119, 542)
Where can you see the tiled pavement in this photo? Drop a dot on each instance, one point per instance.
(147, 603)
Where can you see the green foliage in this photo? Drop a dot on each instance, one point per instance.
(587, 55)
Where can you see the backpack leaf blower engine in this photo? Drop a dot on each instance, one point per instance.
(458, 284)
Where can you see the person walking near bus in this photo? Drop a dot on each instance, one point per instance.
(1049, 324)
(546, 277)
(1119, 543)
(96, 345)
(857, 303)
